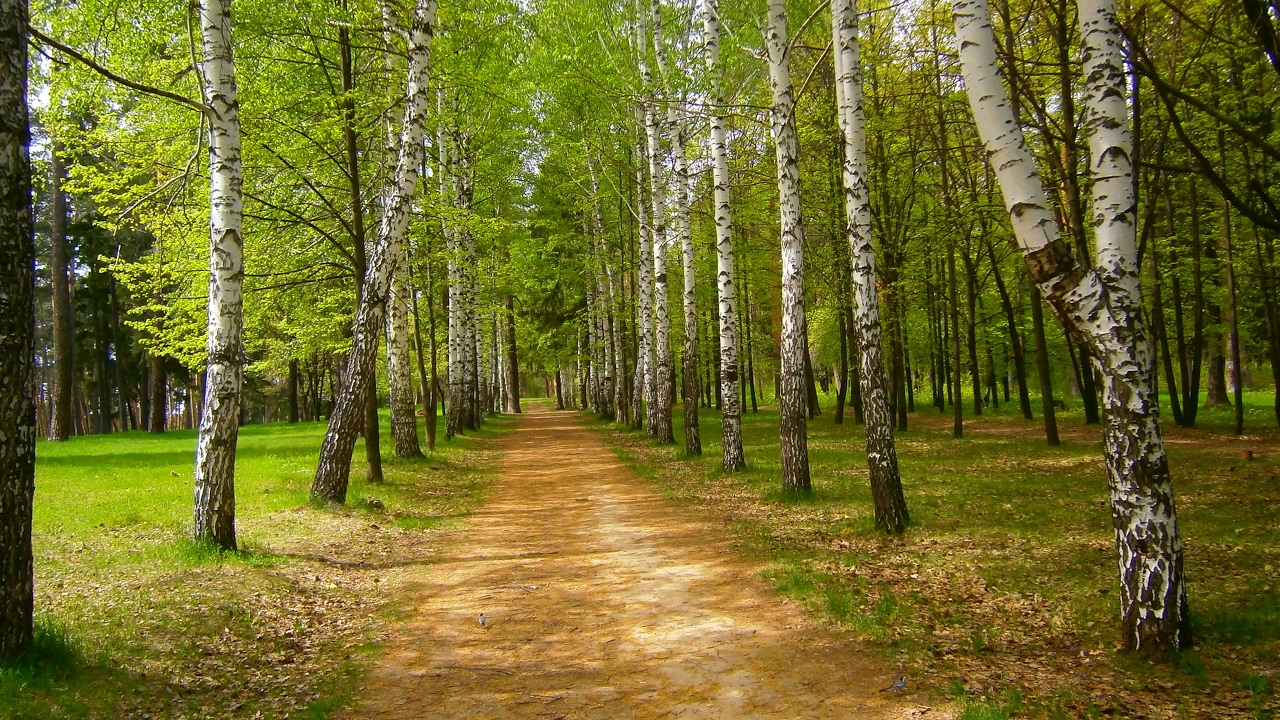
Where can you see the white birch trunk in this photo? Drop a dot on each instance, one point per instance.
(726, 289)
(659, 376)
(689, 366)
(404, 416)
(457, 388)
(215, 499)
(333, 470)
(882, 457)
(792, 397)
(1102, 304)
(17, 343)
(643, 400)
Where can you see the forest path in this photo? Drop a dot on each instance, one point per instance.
(604, 600)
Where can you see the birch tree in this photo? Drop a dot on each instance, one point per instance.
(730, 376)
(17, 339)
(882, 456)
(792, 399)
(1102, 304)
(215, 499)
(404, 417)
(689, 368)
(642, 398)
(334, 467)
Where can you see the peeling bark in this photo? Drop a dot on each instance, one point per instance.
(882, 457)
(726, 286)
(1102, 304)
(215, 500)
(791, 382)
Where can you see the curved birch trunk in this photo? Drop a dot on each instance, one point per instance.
(726, 289)
(792, 398)
(215, 497)
(882, 456)
(1101, 304)
(17, 339)
(334, 469)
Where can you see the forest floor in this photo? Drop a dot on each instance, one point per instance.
(603, 600)
(136, 621)
(1002, 596)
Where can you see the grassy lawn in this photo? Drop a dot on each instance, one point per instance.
(1003, 595)
(135, 620)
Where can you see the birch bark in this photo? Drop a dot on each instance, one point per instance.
(333, 470)
(726, 289)
(1102, 304)
(689, 368)
(792, 402)
(404, 416)
(882, 457)
(643, 401)
(215, 499)
(453, 320)
(17, 339)
(660, 372)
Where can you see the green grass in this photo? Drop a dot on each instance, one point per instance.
(134, 618)
(1006, 580)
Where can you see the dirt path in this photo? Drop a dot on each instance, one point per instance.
(604, 600)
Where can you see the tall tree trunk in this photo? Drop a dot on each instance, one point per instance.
(642, 395)
(333, 470)
(454, 420)
(1191, 381)
(17, 339)
(434, 396)
(1233, 338)
(215, 499)
(689, 368)
(159, 396)
(1272, 317)
(1161, 328)
(1042, 368)
(791, 396)
(1102, 304)
(842, 377)
(957, 419)
(404, 416)
(513, 365)
(882, 457)
(661, 370)
(751, 352)
(61, 424)
(1015, 337)
(971, 327)
(726, 286)
(293, 390)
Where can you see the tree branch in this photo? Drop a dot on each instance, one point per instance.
(119, 79)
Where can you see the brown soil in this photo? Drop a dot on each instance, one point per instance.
(604, 600)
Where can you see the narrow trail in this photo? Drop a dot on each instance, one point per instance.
(604, 600)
